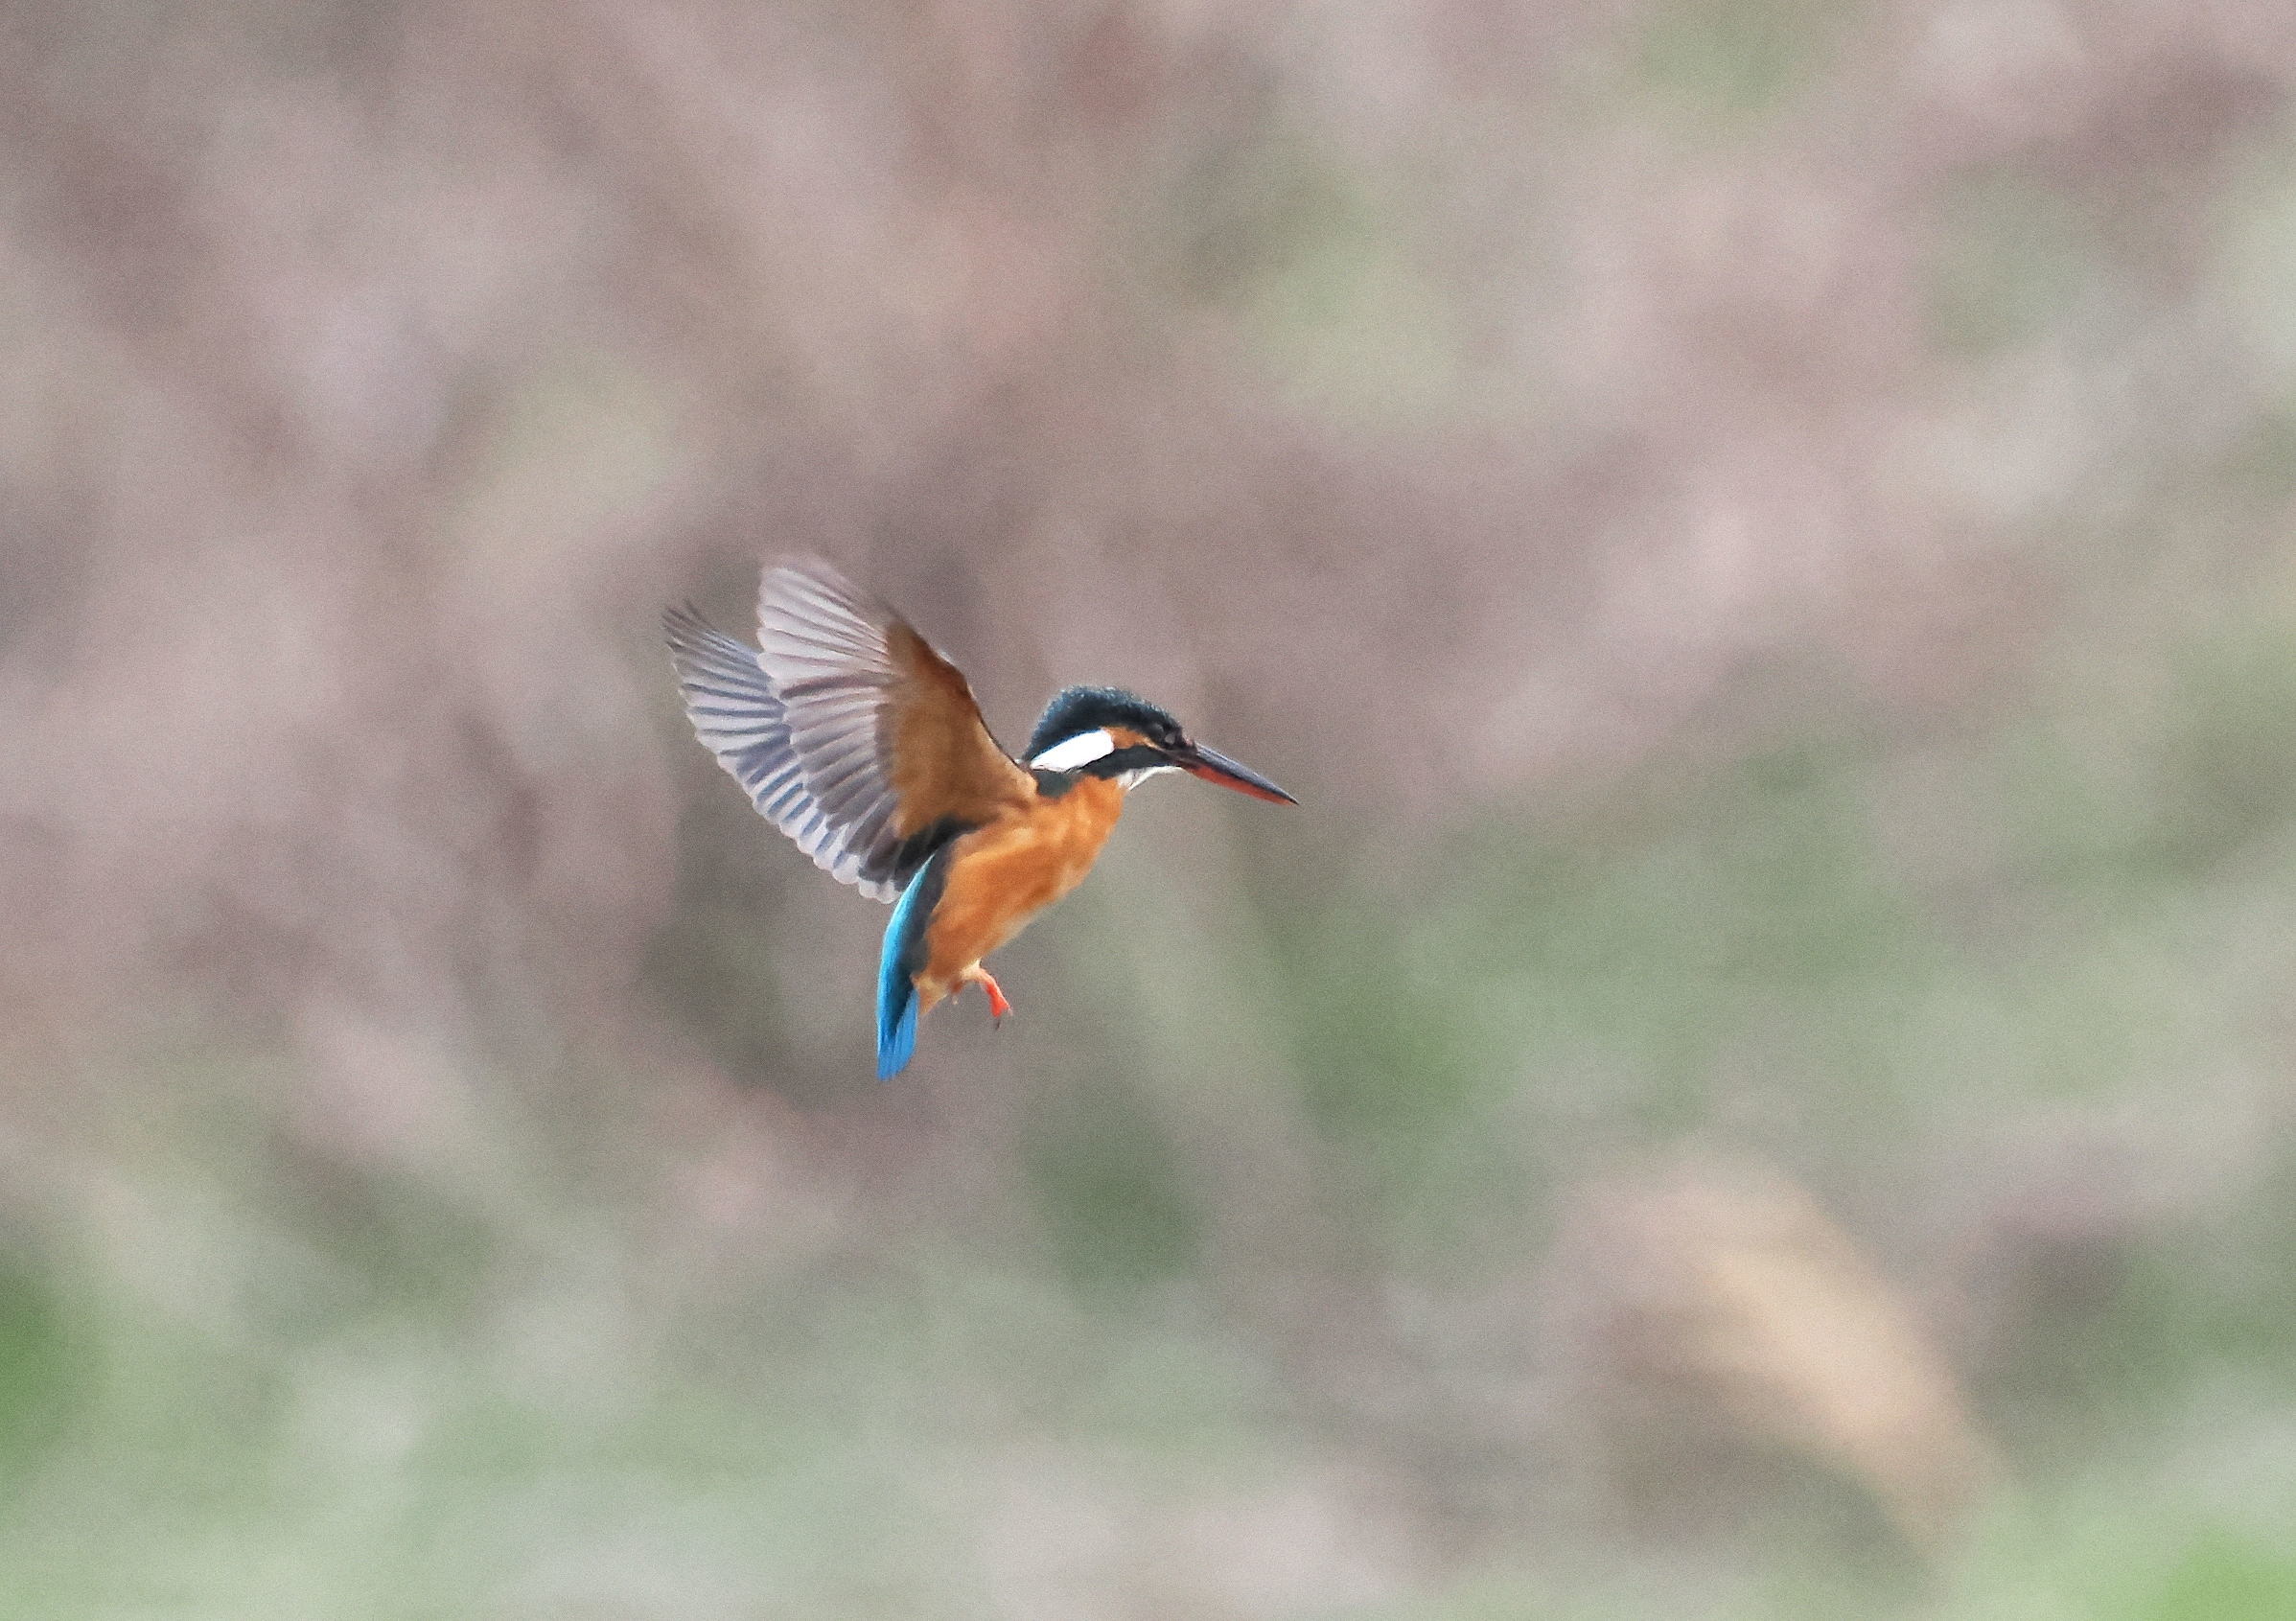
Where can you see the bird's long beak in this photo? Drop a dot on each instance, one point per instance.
(1212, 766)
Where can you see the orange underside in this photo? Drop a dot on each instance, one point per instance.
(1003, 874)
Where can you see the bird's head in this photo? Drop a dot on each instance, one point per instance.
(1106, 731)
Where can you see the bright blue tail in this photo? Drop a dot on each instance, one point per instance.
(898, 965)
(897, 1032)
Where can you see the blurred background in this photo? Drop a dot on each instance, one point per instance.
(1758, 1083)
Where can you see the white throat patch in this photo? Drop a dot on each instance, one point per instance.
(1072, 753)
(1134, 778)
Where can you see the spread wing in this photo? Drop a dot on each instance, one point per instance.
(851, 733)
(736, 711)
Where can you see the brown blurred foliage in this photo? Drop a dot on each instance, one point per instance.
(1712, 1320)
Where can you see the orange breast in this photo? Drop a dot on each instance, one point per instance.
(1003, 874)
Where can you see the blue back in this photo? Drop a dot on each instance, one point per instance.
(899, 964)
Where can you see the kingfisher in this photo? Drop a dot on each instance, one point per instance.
(858, 739)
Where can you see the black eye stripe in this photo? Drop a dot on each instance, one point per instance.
(1140, 756)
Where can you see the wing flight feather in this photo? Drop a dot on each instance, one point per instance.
(849, 731)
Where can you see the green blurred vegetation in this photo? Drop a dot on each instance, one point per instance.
(362, 1400)
(1732, 60)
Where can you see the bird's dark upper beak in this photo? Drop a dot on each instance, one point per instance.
(1212, 766)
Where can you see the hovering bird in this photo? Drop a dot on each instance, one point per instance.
(855, 737)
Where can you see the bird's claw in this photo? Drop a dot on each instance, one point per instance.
(999, 1009)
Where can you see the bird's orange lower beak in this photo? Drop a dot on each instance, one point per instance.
(1212, 766)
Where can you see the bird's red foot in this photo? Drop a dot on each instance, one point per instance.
(998, 1008)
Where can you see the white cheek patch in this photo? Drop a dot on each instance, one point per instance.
(1081, 749)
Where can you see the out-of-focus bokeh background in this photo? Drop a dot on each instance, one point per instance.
(1759, 1083)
